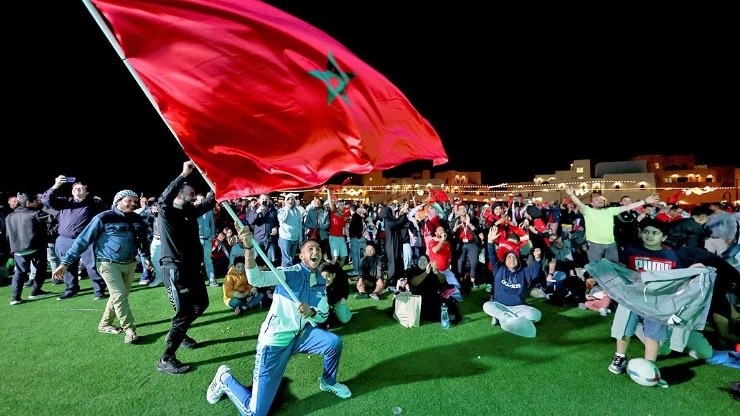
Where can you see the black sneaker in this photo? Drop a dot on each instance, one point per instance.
(172, 366)
(618, 364)
(39, 293)
(188, 343)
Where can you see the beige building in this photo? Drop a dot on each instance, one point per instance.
(667, 176)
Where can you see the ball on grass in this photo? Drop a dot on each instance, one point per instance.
(643, 372)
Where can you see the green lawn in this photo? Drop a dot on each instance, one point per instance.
(55, 362)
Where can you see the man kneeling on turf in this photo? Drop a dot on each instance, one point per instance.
(288, 329)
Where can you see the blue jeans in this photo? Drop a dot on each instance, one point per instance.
(207, 261)
(246, 303)
(51, 258)
(87, 259)
(288, 248)
(23, 265)
(356, 246)
(270, 363)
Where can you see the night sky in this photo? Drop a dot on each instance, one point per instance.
(511, 93)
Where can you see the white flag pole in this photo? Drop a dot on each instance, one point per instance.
(258, 249)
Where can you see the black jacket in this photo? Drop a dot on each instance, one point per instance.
(25, 230)
(685, 233)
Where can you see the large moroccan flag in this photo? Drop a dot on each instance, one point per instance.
(262, 101)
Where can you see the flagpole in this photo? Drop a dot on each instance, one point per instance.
(114, 43)
(238, 224)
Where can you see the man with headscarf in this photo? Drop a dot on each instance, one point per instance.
(290, 231)
(116, 235)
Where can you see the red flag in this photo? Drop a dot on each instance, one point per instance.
(673, 199)
(436, 195)
(262, 101)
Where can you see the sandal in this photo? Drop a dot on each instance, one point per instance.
(109, 329)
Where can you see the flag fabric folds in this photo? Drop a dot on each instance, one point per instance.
(262, 101)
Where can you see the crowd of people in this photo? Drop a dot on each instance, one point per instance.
(303, 263)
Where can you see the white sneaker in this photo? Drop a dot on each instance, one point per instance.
(338, 388)
(217, 387)
(603, 312)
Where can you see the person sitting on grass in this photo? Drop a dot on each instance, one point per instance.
(370, 277)
(439, 251)
(239, 295)
(511, 283)
(425, 280)
(337, 291)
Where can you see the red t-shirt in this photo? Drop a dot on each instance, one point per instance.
(336, 223)
(443, 257)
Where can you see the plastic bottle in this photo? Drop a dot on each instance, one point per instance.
(445, 317)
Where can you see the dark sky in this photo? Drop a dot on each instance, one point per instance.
(511, 93)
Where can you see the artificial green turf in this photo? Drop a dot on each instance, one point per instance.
(55, 362)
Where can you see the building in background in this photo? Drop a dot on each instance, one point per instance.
(671, 177)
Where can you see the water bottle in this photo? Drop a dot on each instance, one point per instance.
(445, 318)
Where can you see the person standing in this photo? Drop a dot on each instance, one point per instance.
(626, 231)
(356, 230)
(155, 249)
(396, 234)
(286, 331)
(147, 276)
(75, 214)
(117, 236)
(722, 228)
(181, 258)
(316, 223)
(651, 255)
(290, 232)
(47, 216)
(26, 234)
(262, 217)
(4, 249)
(206, 234)
(599, 224)
(338, 220)
(465, 232)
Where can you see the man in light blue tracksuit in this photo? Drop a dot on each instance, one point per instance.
(288, 329)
